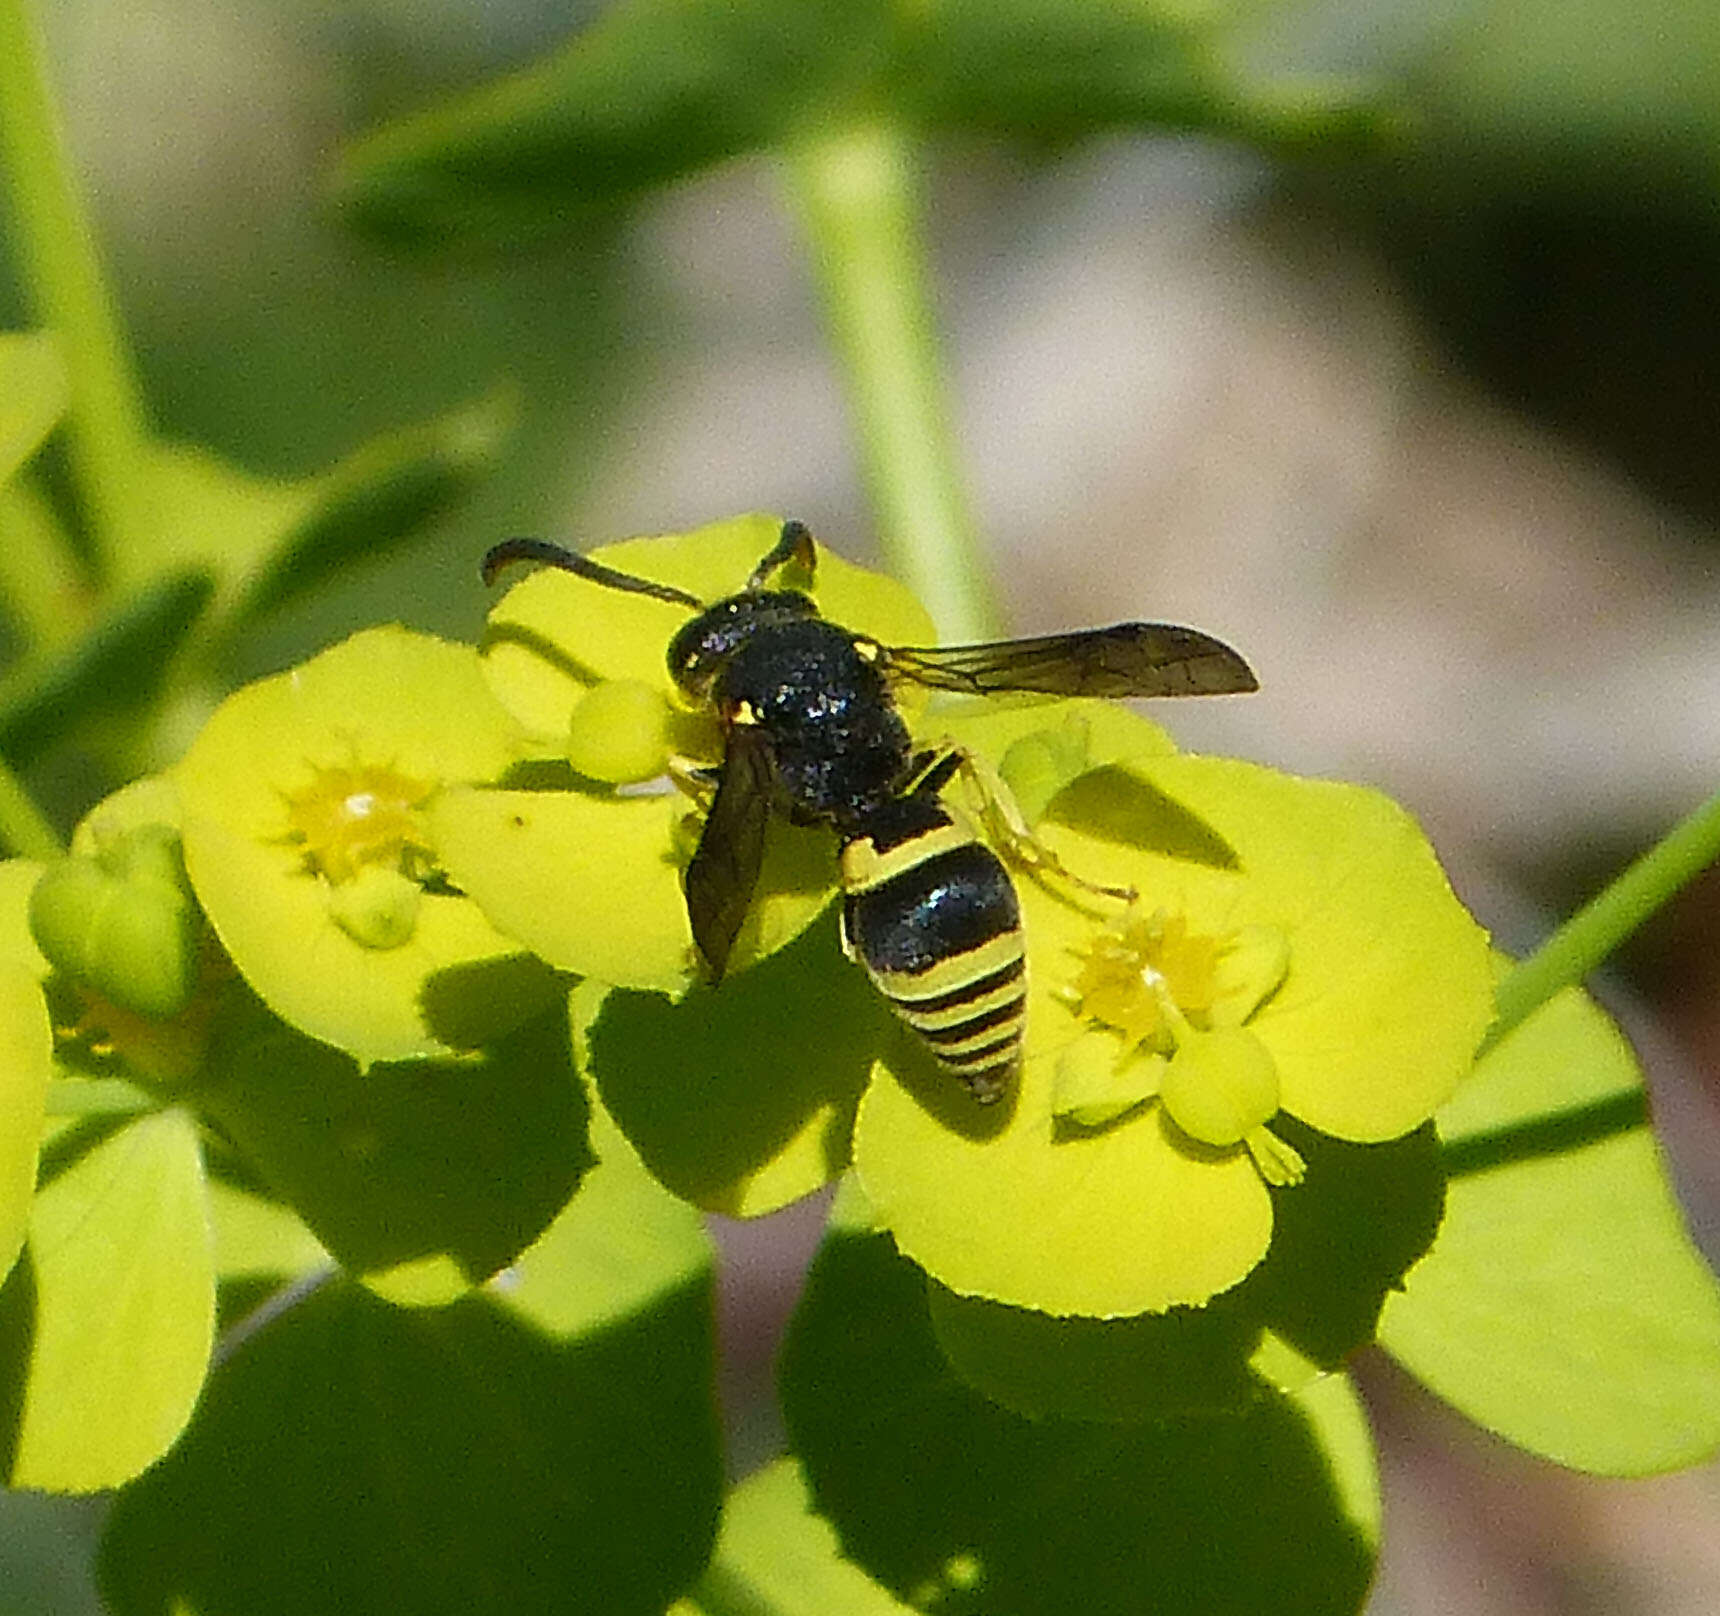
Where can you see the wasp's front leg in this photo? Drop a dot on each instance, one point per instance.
(1003, 818)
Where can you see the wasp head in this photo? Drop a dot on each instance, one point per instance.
(703, 646)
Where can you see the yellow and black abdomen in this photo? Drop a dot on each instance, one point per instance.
(930, 912)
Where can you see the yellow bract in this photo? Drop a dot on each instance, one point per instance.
(305, 808)
(1295, 946)
(589, 877)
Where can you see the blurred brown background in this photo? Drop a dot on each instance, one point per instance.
(1431, 436)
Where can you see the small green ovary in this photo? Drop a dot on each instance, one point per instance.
(619, 732)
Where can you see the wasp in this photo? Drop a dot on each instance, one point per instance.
(811, 731)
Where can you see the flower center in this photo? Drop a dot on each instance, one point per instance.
(1179, 999)
(358, 817)
(1146, 975)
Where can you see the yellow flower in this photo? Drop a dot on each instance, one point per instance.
(305, 805)
(1293, 946)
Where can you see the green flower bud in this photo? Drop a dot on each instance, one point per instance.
(123, 922)
(619, 732)
(1220, 1086)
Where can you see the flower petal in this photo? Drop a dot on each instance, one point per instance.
(591, 882)
(386, 696)
(455, 983)
(554, 634)
(1105, 1224)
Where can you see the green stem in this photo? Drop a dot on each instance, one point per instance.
(857, 192)
(23, 826)
(106, 424)
(1595, 930)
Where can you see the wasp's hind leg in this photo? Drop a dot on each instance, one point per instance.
(794, 545)
(1004, 819)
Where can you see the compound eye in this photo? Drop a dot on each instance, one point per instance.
(695, 652)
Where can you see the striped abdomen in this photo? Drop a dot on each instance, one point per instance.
(930, 912)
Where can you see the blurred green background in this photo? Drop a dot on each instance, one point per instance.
(1430, 432)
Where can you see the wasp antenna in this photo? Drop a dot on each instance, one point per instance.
(794, 543)
(509, 551)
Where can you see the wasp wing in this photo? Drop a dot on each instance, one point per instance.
(725, 865)
(1127, 659)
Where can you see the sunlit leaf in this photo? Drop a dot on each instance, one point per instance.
(106, 1323)
(774, 1550)
(26, 1064)
(1563, 1304)
(550, 1443)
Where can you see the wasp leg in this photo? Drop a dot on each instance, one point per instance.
(1007, 824)
(696, 780)
(794, 544)
(931, 770)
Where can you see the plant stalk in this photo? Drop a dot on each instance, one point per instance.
(857, 193)
(61, 266)
(1595, 930)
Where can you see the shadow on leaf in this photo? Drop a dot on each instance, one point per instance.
(409, 1159)
(953, 1502)
(1117, 805)
(711, 1090)
(1343, 1239)
(362, 1458)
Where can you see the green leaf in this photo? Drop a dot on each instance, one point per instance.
(267, 540)
(41, 580)
(357, 1457)
(1051, 72)
(1151, 1367)
(1563, 1305)
(408, 1161)
(26, 1064)
(655, 90)
(34, 392)
(18, 878)
(106, 1324)
(257, 1238)
(618, 1247)
(117, 666)
(378, 497)
(658, 89)
(774, 1553)
(959, 1505)
(741, 1098)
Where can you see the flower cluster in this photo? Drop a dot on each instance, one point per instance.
(1292, 947)
(406, 847)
